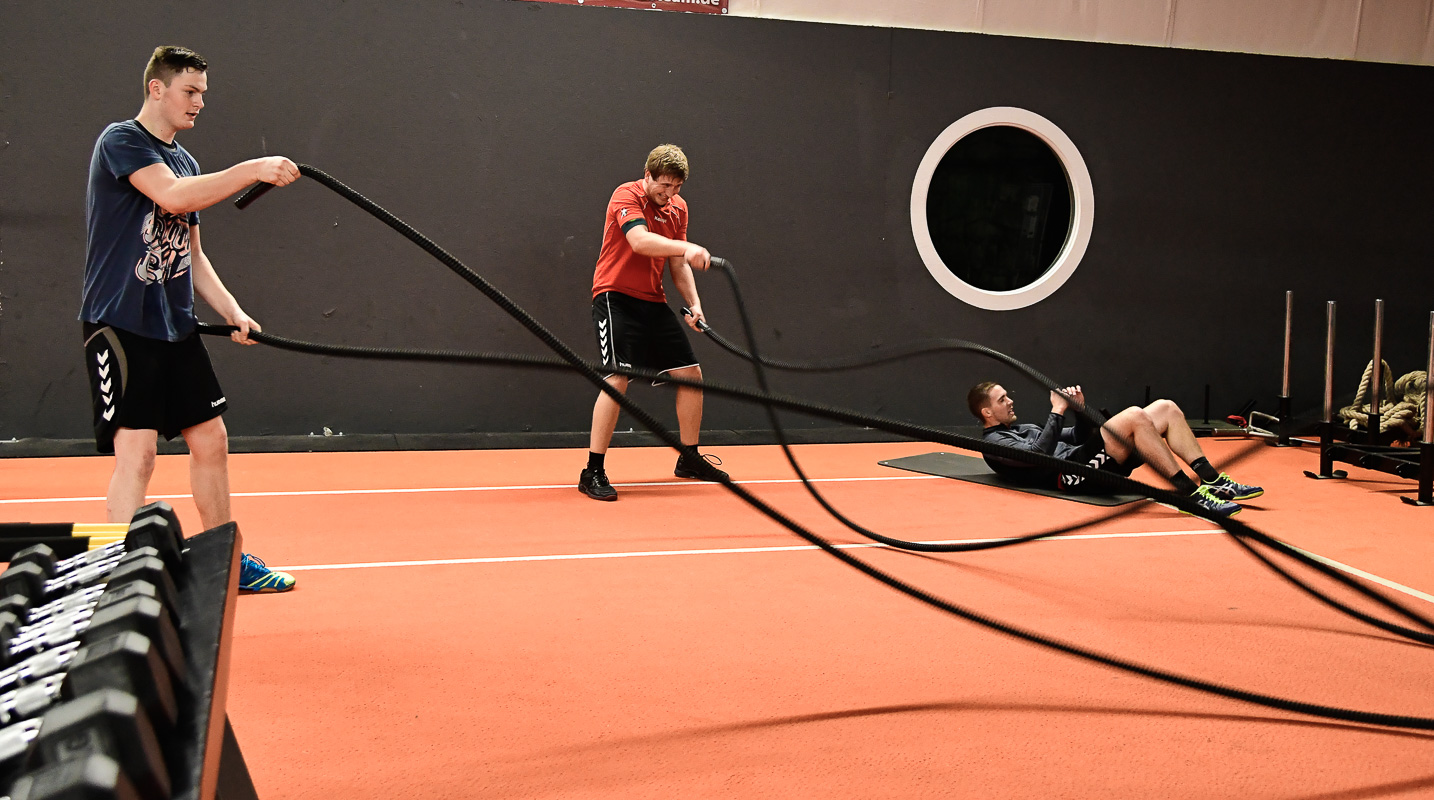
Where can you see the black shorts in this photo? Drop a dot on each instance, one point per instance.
(639, 334)
(1093, 454)
(148, 384)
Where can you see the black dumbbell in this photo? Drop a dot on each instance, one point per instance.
(138, 612)
(159, 508)
(108, 723)
(15, 741)
(17, 603)
(64, 627)
(94, 777)
(128, 662)
(30, 699)
(153, 530)
(29, 580)
(136, 567)
(38, 666)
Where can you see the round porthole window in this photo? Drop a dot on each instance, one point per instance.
(1001, 208)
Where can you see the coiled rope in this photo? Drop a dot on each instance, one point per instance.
(1404, 416)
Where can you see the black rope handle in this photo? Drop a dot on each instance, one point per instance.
(569, 356)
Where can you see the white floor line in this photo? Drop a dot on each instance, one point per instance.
(1398, 587)
(439, 489)
(709, 552)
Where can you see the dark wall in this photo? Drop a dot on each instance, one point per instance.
(499, 128)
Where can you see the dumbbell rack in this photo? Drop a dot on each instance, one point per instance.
(201, 755)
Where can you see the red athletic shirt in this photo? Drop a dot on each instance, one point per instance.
(619, 269)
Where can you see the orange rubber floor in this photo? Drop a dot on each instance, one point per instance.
(467, 625)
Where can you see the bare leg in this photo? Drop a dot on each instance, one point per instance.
(605, 414)
(1136, 427)
(134, 464)
(209, 470)
(689, 406)
(1170, 422)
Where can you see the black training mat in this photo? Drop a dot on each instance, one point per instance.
(969, 468)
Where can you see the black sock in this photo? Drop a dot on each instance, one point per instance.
(689, 452)
(595, 460)
(1206, 472)
(1182, 483)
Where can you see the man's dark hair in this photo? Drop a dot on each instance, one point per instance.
(978, 398)
(169, 61)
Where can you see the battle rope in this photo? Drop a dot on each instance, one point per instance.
(643, 417)
(759, 364)
(904, 429)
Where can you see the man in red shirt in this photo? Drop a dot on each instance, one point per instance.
(646, 233)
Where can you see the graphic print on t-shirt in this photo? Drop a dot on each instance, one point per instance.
(166, 242)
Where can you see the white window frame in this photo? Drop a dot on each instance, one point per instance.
(1082, 208)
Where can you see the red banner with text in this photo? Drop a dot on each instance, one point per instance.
(698, 6)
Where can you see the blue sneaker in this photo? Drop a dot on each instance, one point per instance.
(1208, 500)
(1227, 488)
(254, 576)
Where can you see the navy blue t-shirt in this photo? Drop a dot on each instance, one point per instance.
(137, 262)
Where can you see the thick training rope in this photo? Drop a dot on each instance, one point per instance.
(760, 364)
(572, 361)
(853, 418)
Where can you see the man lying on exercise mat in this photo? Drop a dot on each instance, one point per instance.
(1153, 435)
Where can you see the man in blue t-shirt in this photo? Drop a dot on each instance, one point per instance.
(149, 373)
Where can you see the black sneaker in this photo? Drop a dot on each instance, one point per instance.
(593, 483)
(700, 466)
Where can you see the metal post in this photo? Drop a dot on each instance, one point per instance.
(1376, 373)
(1429, 387)
(1326, 435)
(1283, 440)
(1329, 362)
(1426, 446)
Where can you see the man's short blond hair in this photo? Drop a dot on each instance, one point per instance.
(669, 160)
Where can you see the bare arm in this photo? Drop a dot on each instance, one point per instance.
(654, 245)
(682, 257)
(208, 286)
(182, 195)
(687, 287)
